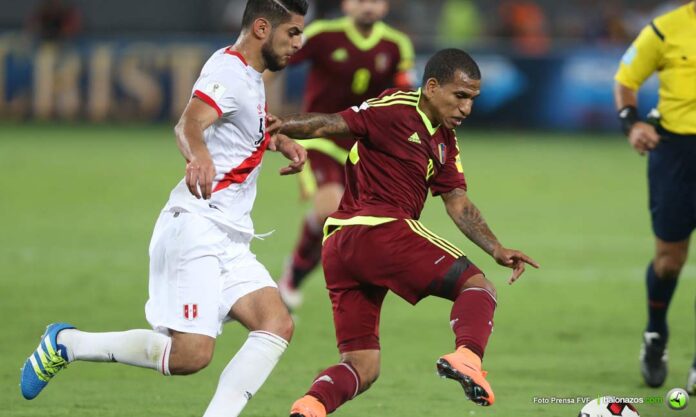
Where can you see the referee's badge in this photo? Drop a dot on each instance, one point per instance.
(190, 311)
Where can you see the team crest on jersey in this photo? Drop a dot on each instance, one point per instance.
(190, 311)
(340, 55)
(442, 152)
(382, 62)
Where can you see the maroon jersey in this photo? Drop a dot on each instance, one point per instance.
(347, 68)
(399, 156)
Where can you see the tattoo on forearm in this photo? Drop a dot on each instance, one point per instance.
(473, 225)
(312, 125)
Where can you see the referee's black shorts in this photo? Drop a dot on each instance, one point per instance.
(672, 185)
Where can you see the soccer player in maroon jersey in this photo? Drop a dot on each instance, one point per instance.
(351, 60)
(375, 243)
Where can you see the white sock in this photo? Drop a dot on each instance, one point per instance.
(245, 374)
(143, 348)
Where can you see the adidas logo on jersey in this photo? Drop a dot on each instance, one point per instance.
(414, 138)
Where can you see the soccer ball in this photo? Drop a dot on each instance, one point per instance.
(607, 407)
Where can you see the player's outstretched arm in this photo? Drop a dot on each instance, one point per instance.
(470, 221)
(313, 125)
(200, 170)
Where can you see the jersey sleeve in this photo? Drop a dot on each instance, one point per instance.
(451, 175)
(407, 55)
(363, 120)
(218, 88)
(642, 58)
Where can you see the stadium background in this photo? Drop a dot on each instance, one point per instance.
(87, 159)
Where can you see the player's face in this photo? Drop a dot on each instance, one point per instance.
(366, 12)
(452, 102)
(284, 42)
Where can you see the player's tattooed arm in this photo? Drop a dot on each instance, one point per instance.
(315, 125)
(470, 221)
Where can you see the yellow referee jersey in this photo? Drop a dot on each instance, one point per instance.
(668, 46)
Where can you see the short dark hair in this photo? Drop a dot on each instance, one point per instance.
(276, 11)
(445, 63)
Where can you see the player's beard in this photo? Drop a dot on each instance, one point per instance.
(271, 59)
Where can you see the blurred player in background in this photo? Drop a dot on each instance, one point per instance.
(374, 243)
(202, 271)
(351, 60)
(666, 46)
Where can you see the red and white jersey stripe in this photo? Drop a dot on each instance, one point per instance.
(236, 141)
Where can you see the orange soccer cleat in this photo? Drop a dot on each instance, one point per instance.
(465, 366)
(308, 406)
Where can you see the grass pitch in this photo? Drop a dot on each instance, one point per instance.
(79, 204)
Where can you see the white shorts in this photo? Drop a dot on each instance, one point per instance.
(197, 273)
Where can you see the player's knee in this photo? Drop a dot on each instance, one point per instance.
(481, 282)
(668, 267)
(670, 259)
(281, 326)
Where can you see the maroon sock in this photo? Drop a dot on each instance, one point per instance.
(335, 386)
(307, 253)
(472, 319)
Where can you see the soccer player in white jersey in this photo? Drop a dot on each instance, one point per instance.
(202, 272)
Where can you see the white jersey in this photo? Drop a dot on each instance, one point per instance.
(236, 141)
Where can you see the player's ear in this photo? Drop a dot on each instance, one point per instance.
(262, 28)
(430, 86)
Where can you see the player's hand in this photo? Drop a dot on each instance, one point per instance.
(643, 137)
(513, 259)
(200, 173)
(273, 124)
(293, 151)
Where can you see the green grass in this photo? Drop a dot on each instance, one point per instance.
(79, 202)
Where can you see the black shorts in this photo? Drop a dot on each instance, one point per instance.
(672, 184)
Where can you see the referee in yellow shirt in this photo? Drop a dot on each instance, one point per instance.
(666, 46)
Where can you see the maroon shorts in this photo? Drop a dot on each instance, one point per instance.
(361, 263)
(325, 168)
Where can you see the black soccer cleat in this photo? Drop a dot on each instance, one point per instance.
(653, 359)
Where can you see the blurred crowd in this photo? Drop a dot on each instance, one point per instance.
(531, 26)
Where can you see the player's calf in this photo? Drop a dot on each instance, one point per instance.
(366, 364)
(339, 384)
